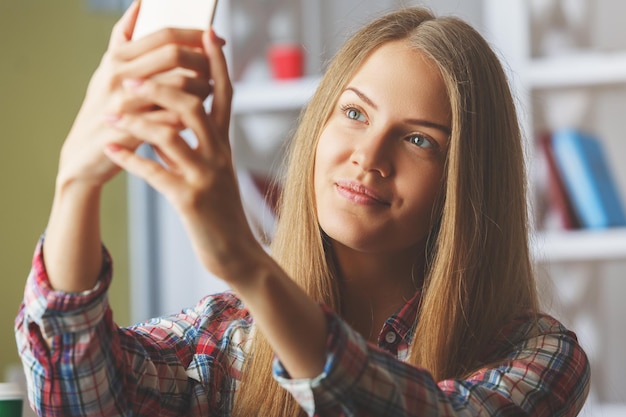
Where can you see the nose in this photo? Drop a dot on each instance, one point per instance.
(372, 153)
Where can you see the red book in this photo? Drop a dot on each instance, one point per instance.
(558, 197)
(269, 189)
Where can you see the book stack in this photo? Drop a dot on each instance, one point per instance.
(581, 187)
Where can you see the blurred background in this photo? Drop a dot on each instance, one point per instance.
(565, 63)
(49, 50)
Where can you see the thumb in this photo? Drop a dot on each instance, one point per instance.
(123, 29)
(222, 86)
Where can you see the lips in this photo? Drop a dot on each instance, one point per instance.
(359, 193)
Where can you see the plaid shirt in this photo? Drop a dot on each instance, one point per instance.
(190, 364)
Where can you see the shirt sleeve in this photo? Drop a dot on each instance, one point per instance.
(79, 362)
(547, 374)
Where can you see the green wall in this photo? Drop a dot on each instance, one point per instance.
(48, 50)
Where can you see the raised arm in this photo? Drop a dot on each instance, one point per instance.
(72, 246)
(65, 332)
(201, 184)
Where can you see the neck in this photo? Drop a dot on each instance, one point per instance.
(375, 287)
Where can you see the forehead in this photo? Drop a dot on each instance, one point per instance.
(403, 78)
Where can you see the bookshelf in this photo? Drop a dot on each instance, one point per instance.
(250, 97)
(589, 259)
(509, 26)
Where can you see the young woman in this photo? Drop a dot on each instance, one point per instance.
(399, 281)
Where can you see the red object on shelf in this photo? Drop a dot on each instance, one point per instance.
(286, 61)
(558, 196)
(270, 190)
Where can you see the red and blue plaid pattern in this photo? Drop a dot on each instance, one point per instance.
(189, 364)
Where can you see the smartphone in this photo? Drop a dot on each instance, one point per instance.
(184, 14)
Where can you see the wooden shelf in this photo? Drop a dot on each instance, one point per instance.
(271, 96)
(583, 69)
(580, 245)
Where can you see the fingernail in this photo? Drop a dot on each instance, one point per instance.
(132, 83)
(112, 118)
(216, 39)
(112, 148)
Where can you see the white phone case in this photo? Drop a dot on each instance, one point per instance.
(185, 14)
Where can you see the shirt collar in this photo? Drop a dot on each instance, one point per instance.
(403, 321)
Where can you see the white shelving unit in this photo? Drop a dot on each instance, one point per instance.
(581, 70)
(508, 26)
(273, 96)
(570, 255)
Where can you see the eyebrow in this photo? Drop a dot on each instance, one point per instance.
(420, 122)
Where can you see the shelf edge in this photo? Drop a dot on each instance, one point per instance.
(577, 70)
(266, 96)
(579, 245)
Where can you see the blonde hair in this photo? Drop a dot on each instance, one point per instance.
(479, 273)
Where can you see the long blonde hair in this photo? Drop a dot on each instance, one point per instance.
(479, 272)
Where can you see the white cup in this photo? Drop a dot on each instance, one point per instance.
(11, 400)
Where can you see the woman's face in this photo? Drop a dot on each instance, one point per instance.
(380, 159)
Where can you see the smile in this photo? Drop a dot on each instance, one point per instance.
(359, 194)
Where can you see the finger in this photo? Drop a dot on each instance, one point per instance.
(190, 38)
(163, 136)
(166, 160)
(123, 29)
(130, 102)
(188, 107)
(165, 117)
(190, 62)
(149, 170)
(222, 86)
(157, 116)
(197, 86)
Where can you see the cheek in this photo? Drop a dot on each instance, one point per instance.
(327, 153)
(320, 166)
(422, 190)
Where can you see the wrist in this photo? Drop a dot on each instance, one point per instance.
(67, 185)
(242, 267)
(72, 247)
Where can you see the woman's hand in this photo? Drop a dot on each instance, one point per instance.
(156, 56)
(169, 58)
(200, 180)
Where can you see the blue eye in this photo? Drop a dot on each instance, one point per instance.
(421, 141)
(353, 113)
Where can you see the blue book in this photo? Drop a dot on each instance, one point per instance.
(587, 177)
